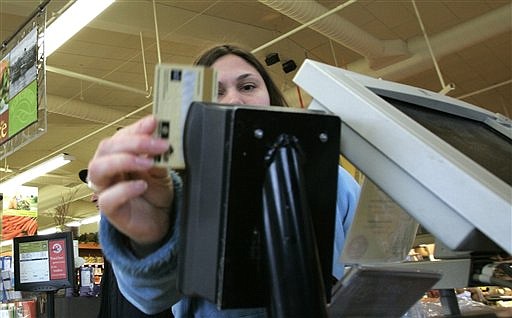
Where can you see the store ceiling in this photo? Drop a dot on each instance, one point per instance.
(470, 39)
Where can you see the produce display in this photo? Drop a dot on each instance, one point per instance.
(18, 225)
(88, 238)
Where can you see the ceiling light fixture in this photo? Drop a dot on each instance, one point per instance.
(47, 231)
(72, 20)
(85, 221)
(37, 171)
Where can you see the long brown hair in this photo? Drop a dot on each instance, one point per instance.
(213, 54)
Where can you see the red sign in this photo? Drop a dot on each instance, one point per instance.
(4, 126)
(58, 265)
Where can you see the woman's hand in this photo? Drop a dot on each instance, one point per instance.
(133, 194)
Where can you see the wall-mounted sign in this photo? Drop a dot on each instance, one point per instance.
(19, 212)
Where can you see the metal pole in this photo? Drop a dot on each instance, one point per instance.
(294, 271)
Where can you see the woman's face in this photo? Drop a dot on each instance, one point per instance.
(240, 83)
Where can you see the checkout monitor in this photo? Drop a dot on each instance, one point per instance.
(445, 162)
(43, 263)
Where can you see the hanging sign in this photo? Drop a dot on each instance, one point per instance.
(23, 112)
(18, 93)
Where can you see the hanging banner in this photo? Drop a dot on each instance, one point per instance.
(18, 94)
(23, 115)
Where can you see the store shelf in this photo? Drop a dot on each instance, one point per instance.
(89, 245)
(91, 252)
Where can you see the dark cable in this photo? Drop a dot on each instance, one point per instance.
(34, 13)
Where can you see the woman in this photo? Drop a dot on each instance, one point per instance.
(141, 203)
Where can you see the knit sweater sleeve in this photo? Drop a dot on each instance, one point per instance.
(149, 283)
(346, 204)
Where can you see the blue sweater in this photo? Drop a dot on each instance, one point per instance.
(150, 283)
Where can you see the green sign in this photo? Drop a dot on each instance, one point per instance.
(18, 90)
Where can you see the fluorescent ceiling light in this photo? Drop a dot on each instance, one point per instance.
(71, 21)
(37, 171)
(6, 243)
(47, 231)
(73, 224)
(91, 219)
(88, 220)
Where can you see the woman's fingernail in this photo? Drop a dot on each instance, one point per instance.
(140, 185)
(160, 143)
(144, 161)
